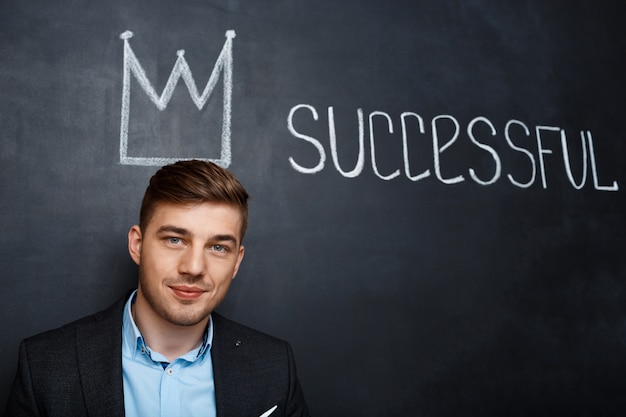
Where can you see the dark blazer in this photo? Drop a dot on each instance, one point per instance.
(76, 370)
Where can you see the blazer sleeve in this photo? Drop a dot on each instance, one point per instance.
(296, 405)
(22, 401)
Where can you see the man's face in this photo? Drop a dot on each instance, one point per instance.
(187, 257)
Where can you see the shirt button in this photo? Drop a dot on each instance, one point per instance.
(170, 371)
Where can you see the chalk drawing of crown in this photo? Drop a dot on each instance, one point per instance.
(132, 66)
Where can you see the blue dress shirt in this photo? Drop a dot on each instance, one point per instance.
(154, 387)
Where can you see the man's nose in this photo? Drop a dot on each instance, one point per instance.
(193, 262)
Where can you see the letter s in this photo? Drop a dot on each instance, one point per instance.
(316, 143)
(492, 152)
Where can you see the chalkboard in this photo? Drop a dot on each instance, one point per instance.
(437, 217)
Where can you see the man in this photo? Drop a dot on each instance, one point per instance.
(162, 350)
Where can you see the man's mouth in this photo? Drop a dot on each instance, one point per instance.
(187, 293)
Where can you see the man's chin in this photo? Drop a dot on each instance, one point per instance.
(187, 318)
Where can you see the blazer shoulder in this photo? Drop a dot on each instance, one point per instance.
(72, 370)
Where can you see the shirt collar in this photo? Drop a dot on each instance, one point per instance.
(133, 342)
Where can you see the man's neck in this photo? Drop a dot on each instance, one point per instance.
(168, 339)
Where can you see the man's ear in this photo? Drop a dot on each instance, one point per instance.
(134, 243)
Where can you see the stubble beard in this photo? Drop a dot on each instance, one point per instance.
(178, 312)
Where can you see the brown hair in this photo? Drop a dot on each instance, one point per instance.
(189, 182)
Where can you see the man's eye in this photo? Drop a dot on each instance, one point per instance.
(219, 248)
(174, 240)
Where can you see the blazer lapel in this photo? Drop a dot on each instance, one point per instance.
(239, 364)
(99, 353)
(232, 381)
(225, 369)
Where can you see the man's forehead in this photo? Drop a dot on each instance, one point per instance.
(197, 217)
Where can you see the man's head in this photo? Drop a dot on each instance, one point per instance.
(192, 182)
(188, 245)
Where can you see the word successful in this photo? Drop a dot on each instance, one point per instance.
(444, 133)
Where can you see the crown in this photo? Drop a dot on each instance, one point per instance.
(132, 66)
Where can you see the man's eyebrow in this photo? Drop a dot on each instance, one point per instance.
(223, 238)
(184, 232)
(173, 229)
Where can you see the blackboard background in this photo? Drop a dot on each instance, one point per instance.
(399, 297)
